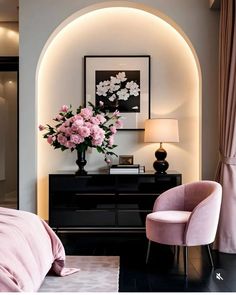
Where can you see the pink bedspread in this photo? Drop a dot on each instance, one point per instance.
(28, 250)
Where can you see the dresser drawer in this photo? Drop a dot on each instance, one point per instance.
(85, 218)
(83, 201)
(132, 218)
(83, 184)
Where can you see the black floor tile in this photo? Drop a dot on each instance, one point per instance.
(164, 272)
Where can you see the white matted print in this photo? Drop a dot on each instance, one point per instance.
(121, 83)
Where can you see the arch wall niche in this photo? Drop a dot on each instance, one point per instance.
(105, 29)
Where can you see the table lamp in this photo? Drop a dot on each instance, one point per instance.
(161, 130)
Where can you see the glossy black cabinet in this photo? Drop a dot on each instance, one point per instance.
(105, 202)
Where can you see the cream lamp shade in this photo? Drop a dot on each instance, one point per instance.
(161, 130)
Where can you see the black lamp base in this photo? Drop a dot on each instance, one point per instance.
(160, 165)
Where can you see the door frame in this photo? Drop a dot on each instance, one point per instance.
(11, 64)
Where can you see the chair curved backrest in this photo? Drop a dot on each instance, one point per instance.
(203, 199)
(202, 224)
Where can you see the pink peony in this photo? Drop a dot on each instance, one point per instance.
(86, 113)
(50, 139)
(97, 142)
(77, 123)
(67, 123)
(68, 131)
(119, 124)
(101, 118)
(70, 145)
(94, 120)
(116, 113)
(113, 129)
(64, 109)
(111, 140)
(61, 128)
(108, 161)
(59, 118)
(41, 127)
(76, 139)
(84, 131)
(61, 139)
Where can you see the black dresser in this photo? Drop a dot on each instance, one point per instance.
(104, 202)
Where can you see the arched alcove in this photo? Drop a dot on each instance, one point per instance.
(105, 29)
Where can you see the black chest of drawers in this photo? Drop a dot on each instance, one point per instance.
(105, 202)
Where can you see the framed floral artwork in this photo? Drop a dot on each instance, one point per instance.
(121, 82)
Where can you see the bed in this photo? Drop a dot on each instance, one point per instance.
(29, 249)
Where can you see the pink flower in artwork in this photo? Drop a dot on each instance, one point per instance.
(101, 103)
(64, 109)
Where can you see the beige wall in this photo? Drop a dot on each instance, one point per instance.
(9, 39)
(193, 17)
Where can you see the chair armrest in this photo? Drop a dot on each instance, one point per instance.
(172, 199)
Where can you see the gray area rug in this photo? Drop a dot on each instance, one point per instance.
(97, 274)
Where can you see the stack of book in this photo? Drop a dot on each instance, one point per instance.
(124, 169)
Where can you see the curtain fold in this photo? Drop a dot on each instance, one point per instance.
(226, 172)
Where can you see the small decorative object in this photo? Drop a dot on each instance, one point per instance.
(122, 83)
(89, 127)
(141, 169)
(161, 130)
(126, 159)
(124, 169)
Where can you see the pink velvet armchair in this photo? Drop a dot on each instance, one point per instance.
(186, 215)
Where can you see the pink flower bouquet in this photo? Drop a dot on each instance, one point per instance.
(89, 127)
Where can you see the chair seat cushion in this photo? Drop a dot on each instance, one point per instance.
(167, 227)
(170, 216)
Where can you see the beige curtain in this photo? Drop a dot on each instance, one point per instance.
(226, 174)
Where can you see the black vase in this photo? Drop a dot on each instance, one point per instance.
(81, 162)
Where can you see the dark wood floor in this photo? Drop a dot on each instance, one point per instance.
(163, 272)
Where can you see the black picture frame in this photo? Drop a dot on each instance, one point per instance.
(121, 82)
(126, 159)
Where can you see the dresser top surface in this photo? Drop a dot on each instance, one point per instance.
(146, 173)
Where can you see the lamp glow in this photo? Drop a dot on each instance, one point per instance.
(161, 130)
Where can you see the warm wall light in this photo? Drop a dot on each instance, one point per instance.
(161, 130)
